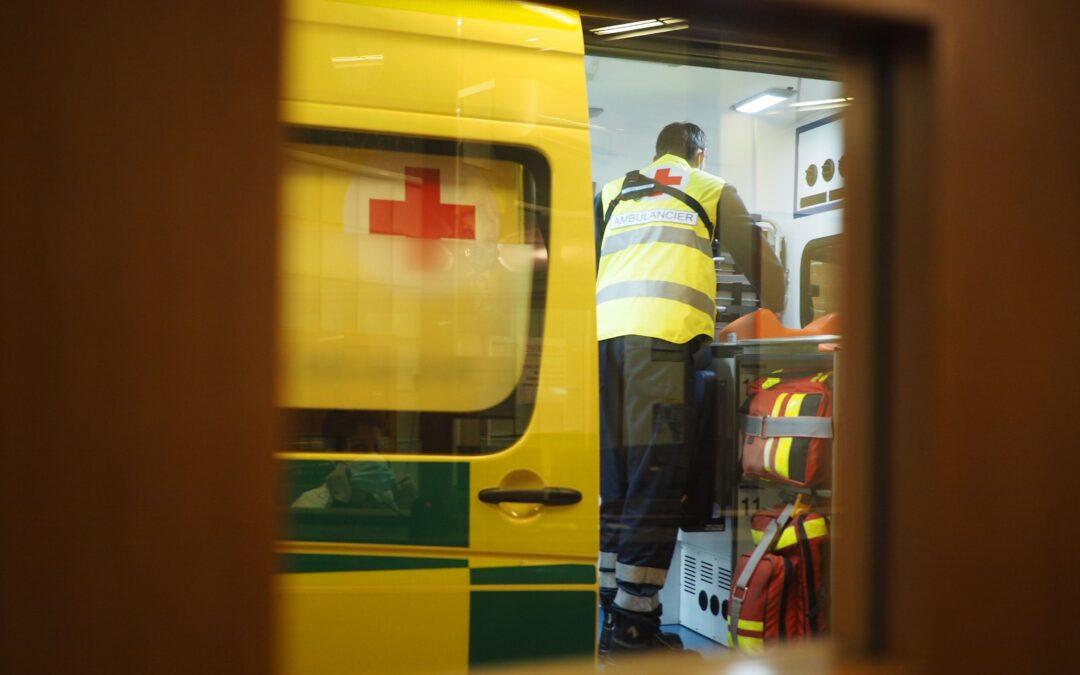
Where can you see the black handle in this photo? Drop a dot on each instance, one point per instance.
(549, 496)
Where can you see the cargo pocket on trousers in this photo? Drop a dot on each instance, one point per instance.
(667, 423)
(667, 369)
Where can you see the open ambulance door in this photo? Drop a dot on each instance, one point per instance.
(438, 342)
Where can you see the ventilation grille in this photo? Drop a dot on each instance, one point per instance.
(707, 576)
(723, 579)
(689, 574)
(703, 574)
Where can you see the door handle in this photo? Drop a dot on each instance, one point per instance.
(549, 496)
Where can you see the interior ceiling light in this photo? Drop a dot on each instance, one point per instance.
(621, 31)
(765, 99)
(815, 108)
(824, 101)
(366, 58)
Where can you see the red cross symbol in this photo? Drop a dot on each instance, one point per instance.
(664, 177)
(422, 215)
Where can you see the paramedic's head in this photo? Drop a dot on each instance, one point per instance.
(682, 139)
(352, 430)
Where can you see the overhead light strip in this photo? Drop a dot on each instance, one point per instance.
(367, 58)
(759, 103)
(647, 31)
(763, 100)
(831, 106)
(634, 26)
(824, 101)
(624, 27)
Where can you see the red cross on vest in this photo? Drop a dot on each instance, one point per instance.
(664, 177)
(423, 216)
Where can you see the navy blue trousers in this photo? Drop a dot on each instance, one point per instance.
(646, 428)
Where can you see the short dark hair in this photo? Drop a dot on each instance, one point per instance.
(338, 425)
(683, 139)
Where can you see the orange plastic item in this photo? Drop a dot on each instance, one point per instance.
(763, 323)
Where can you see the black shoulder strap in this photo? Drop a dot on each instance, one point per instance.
(635, 186)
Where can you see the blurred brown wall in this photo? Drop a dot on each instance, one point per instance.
(136, 271)
(981, 560)
(137, 201)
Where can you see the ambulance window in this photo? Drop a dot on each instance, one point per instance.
(820, 279)
(413, 285)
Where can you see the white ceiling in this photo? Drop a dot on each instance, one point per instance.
(630, 90)
(638, 98)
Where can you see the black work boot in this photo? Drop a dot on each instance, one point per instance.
(640, 631)
(607, 601)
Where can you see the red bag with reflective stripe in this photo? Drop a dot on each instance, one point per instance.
(766, 605)
(785, 599)
(806, 541)
(787, 430)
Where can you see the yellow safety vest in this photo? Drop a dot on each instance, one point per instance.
(657, 277)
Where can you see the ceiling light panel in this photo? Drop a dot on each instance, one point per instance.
(660, 25)
(824, 101)
(763, 100)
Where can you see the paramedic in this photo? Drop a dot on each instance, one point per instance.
(359, 484)
(656, 305)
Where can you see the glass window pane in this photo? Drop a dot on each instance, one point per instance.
(413, 275)
(475, 189)
(771, 133)
(819, 290)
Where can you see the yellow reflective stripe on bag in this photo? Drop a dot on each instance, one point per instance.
(815, 528)
(750, 645)
(770, 443)
(786, 538)
(783, 445)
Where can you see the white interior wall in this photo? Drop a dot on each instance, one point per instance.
(755, 153)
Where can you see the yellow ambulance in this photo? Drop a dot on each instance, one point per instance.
(437, 337)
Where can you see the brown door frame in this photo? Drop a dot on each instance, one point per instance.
(137, 339)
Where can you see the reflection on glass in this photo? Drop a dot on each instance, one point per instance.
(820, 278)
(413, 283)
(750, 566)
(438, 331)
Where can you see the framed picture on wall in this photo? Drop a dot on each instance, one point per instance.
(819, 166)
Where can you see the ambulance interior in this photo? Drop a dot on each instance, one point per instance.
(754, 152)
(785, 157)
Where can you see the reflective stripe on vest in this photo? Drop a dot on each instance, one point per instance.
(667, 290)
(651, 235)
(656, 276)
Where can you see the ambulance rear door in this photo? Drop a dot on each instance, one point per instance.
(438, 341)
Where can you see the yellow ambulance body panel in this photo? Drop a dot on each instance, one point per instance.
(437, 262)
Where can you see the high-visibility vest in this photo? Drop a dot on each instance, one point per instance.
(657, 277)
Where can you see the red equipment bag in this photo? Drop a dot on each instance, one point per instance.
(805, 540)
(779, 593)
(787, 430)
